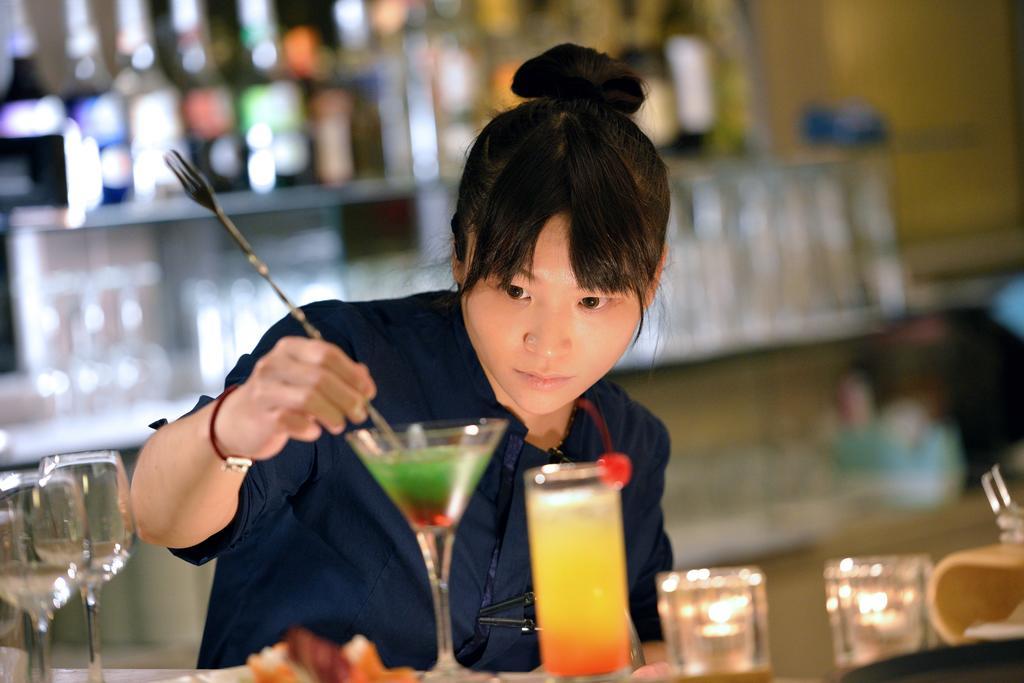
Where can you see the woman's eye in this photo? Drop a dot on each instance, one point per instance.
(592, 302)
(515, 292)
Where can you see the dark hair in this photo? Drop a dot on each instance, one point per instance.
(571, 148)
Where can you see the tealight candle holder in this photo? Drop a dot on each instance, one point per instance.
(877, 606)
(715, 623)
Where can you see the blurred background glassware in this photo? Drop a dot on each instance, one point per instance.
(874, 229)
(877, 606)
(141, 368)
(711, 208)
(111, 529)
(89, 367)
(57, 305)
(757, 255)
(791, 233)
(43, 553)
(715, 622)
(835, 236)
(765, 251)
(202, 304)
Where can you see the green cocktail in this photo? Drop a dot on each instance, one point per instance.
(431, 475)
(430, 486)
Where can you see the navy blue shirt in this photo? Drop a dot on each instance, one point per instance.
(316, 542)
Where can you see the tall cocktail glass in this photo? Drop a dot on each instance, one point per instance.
(579, 570)
(431, 479)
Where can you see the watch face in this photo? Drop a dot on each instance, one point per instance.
(234, 463)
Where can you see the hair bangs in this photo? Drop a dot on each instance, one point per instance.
(608, 243)
(530, 189)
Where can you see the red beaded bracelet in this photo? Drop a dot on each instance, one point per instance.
(235, 463)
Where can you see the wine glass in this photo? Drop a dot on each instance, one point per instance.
(43, 552)
(12, 656)
(111, 529)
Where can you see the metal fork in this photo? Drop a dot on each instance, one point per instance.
(1009, 515)
(200, 191)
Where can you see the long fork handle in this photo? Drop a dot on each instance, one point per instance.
(264, 272)
(300, 315)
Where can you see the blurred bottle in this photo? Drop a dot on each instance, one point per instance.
(389, 19)
(500, 21)
(689, 60)
(154, 104)
(329, 123)
(710, 51)
(270, 106)
(457, 81)
(5, 57)
(420, 66)
(209, 111)
(359, 72)
(740, 125)
(102, 152)
(642, 51)
(27, 109)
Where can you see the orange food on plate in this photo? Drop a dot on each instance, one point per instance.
(304, 657)
(271, 665)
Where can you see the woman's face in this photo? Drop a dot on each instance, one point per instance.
(543, 340)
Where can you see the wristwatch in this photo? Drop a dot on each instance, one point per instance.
(236, 463)
(231, 463)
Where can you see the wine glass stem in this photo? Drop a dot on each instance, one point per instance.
(436, 544)
(91, 597)
(37, 642)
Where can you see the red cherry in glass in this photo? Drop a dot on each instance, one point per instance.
(616, 469)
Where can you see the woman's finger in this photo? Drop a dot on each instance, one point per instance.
(306, 400)
(327, 355)
(324, 387)
(299, 425)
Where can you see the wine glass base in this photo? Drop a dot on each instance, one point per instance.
(590, 678)
(544, 677)
(456, 673)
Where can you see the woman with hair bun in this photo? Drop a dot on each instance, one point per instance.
(558, 242)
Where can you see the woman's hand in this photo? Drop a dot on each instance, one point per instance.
(656, 670)
(299, 388)
(654, 655)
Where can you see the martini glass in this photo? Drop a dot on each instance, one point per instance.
(431, 479)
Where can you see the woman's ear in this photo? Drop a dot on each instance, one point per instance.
(458, 269)
(460, 266)
(653, 289)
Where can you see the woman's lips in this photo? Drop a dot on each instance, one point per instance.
(543, 382)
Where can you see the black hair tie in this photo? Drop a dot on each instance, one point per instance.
(579, 88)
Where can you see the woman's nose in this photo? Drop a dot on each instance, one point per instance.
(549, 339)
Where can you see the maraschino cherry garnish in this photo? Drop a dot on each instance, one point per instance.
(616, 468)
